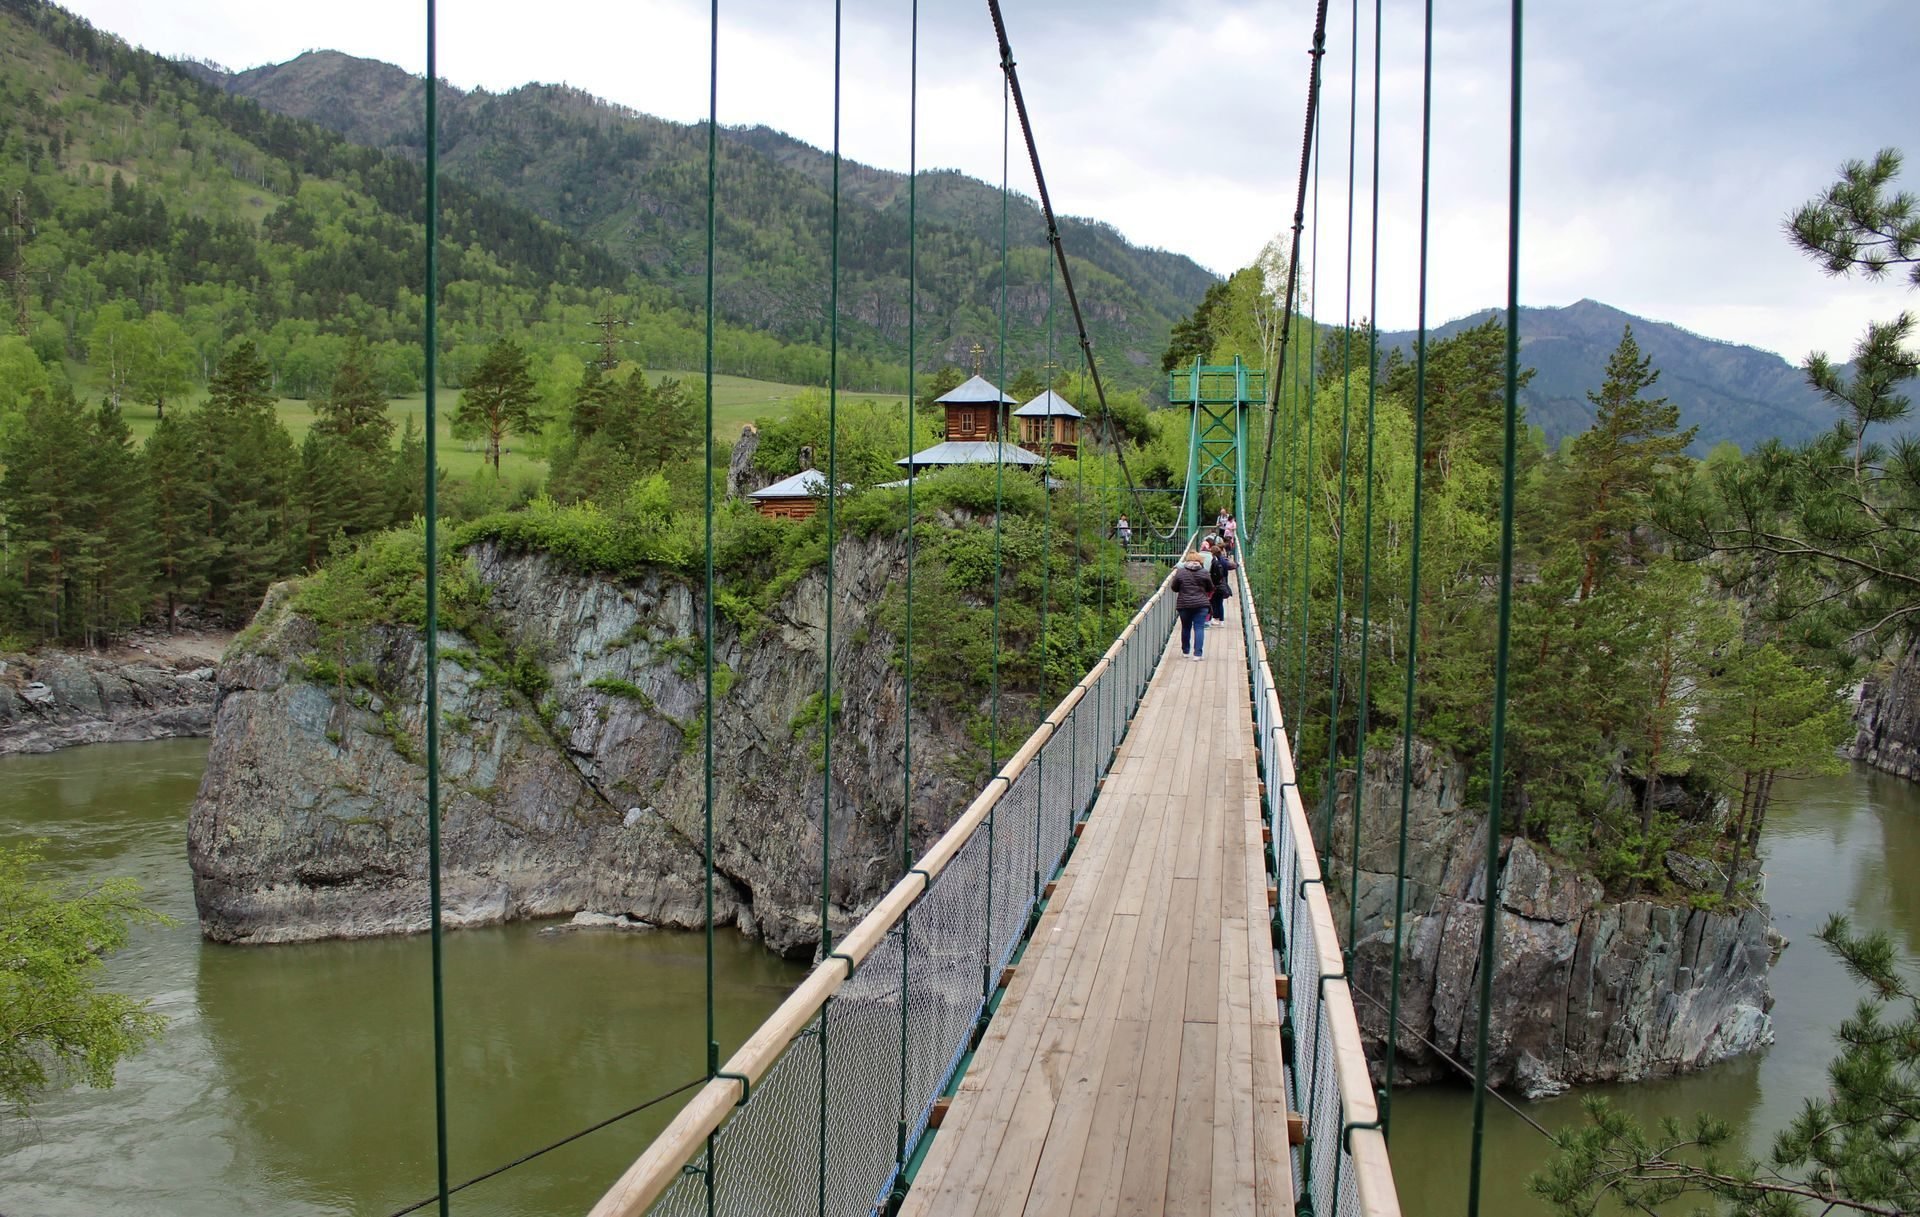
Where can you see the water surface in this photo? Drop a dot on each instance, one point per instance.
(298, 1080)
(1847, 844)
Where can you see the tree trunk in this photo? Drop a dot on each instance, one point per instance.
(1759, 817)
(1739, 833)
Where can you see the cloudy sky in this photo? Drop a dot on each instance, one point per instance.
(1664, 141)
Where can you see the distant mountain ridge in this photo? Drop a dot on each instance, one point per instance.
(636, 184)
(1730, 391)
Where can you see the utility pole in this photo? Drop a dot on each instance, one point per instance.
(609, 323)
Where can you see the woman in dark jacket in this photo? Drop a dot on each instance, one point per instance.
(1193, 597)
(1221, 572)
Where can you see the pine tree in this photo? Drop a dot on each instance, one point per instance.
(406, 478)
(592, 403)
(499, 398)
(250, 461)
(45, 499)
(1767, 717)
(179, 513)
(354, 410)
(120, 539)
(1611, 467)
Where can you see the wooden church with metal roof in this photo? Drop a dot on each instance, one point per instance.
(1050, 426)
(979, 417)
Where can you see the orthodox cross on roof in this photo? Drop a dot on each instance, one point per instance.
(979, 353)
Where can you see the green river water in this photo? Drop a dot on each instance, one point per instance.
(296, 1080)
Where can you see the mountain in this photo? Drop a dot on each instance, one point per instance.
(1731, 392)
(637, 186)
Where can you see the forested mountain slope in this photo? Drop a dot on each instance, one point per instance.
(153, 199)
(1731, 392)
(636, 185)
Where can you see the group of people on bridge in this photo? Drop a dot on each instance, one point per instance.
(1202, 583)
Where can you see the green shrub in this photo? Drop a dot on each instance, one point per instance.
(642, 534)
(621, 688)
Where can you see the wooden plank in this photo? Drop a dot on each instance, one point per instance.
(1234, 1179)
(1066, 1150)
(1143, 1185)
(1004, 1187)
(1203, 952)
(1190, 1167)
(1097, 1189)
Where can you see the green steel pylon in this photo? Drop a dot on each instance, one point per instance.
(1217, 454)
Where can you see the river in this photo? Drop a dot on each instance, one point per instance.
(296, 1080)
(1846, 844)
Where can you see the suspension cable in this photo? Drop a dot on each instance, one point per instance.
(1059, 250)
(1413, 577)
(1339, 623)
(833, 499)
(1366, 544)
(707, 619)
(1310, 466)
(1490, 914)
(1312, 126)
(432, 505)
(906, 698)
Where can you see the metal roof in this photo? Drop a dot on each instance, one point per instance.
(970, 452)
(1048, 403)
(974, 391)
(804, 484)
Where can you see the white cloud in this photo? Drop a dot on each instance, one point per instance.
(1662, 144)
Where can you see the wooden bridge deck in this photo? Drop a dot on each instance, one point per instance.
(1133, 1066)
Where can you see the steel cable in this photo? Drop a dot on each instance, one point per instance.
(1490, 914)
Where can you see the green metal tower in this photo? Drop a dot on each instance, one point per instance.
(1217, 445)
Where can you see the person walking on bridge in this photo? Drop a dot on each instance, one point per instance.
(1124, 531)
(1221, 572)
(1193, 597)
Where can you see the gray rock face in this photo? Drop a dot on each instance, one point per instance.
(57, 699)
(742, 478)
(1587, 990)
(311, 819)
(1887, 719)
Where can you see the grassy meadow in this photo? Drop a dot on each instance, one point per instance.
(737, 401)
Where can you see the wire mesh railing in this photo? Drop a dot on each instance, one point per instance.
(821, 1110)
(1341, 1166)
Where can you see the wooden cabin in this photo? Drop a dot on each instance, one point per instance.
(977, 411)
(1050, 426)
(794, 498)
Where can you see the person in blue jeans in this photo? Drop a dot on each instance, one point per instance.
(1193, 597)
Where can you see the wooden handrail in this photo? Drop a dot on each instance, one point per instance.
(654, 1171)
(1366, 1146)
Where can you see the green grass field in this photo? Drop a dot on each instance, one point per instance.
(737, 401)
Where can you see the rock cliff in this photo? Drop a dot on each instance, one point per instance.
(311, 823)
(1589, 989)
(1887, 718)
(58, 699)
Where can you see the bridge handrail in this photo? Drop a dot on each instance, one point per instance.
(1343, 1168)
(669, 1157)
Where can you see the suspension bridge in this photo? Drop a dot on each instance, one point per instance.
(1116, 983)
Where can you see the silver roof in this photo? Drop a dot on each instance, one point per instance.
(1048, 403)
(974, 391)
(970, 452)
(799, 486)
